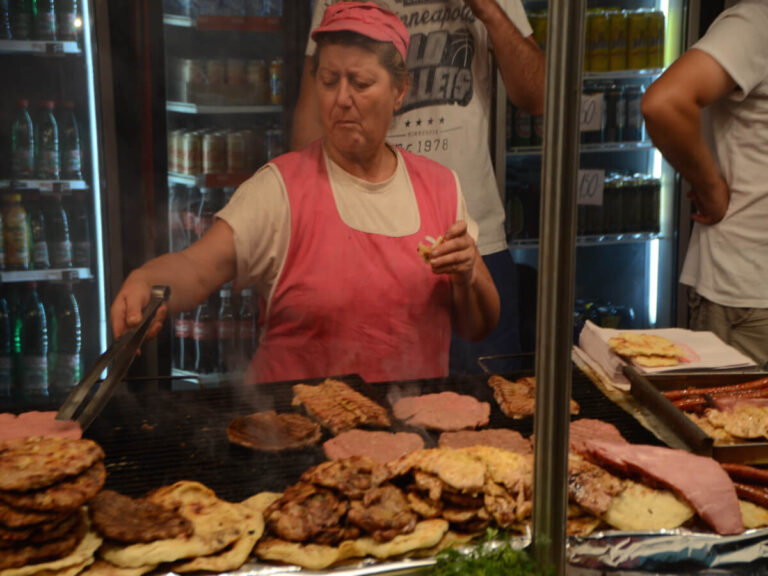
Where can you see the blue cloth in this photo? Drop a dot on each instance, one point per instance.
(505, 338)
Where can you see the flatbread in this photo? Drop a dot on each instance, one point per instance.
(33, 463)
(216, 524)
(752, 515)
(425, 250)
(69, 494)
(633, 344)
(234, 556)
(104, 568)
(643, 508)
(69, 571)
(427, 533)
(655, 361)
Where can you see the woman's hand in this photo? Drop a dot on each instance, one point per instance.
(129, 304)
(456, 255)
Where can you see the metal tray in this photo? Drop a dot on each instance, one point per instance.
(648, 390)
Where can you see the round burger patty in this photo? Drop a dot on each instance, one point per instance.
(130, 520)
(272, 432)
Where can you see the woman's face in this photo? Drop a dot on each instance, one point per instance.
(357, 99)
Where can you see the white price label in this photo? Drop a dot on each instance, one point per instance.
(590, 187)
(591, 112)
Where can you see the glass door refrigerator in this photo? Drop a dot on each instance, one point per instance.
(627, 248)
(53, 269)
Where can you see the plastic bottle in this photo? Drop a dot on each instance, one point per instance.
(66, 367)
(246, 327)
(33, 342)
(59, 240)
(5, 20)
(6, 350)
(226, 333)
(45, 19)
(15, 233)
(69, 142)
(38, 237)
(66, 17)
(183, 353)
(80, 232)
(204, 336)
(2, 244)
(47, 143)
(23, 12)
(22, 143)
(207, 209)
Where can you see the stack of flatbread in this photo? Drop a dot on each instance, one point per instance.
(646, 350)
(44, 484)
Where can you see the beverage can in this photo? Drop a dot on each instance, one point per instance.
(191, 153)
(637, 40)
(276, 81)
(174, 146)
(250, 158)
(598, 39)
(615, 113)
(633, 127)
(632, 203)
(257, 76)
(612, 205)
(216, 71)
(236, 71)
(523, 128)
(236, 152)
(655, 32)
(273, 143)
(618, 40)
(214, 153)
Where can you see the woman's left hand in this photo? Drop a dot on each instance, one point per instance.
(456, 255)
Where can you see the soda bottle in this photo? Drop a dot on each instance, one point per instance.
(246, 327)
(45, 19)
(15, 233)
(22, 19)
(33, 346)
(2, 244)
(176, 215)
(208, 207)
(6, 350)
(69, 142)
(22, 143)
(226, 332)
(66, 366)
(38, 237)
(204, 336)
(5, 20)
(183, 354)
(80, 232)
(59, 241)
(66, 16)
(47, 143)
(189, 214)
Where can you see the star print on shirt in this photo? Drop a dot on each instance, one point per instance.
(418, 122)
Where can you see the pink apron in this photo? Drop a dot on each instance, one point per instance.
(352, 302)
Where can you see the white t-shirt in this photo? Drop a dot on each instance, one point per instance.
(728, 263)
(259, 214)
(447, 112)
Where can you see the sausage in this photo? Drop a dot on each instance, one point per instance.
(745, 473)
(691, 404)
(754, 494)
(751, 385)
(759, 393)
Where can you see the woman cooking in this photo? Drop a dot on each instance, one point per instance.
(328, 235)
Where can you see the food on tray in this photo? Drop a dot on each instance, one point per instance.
(585, 429)
(592, 487)
(36, 423)
(496, 437)
(104, 568)
(719, 435)
(742, 421)
(752, 515)
(64, 496)
(378, 445)
(518, 399)
(338, 407)
(425, 250)
(648, 350)
(639, 507)
(699, 480)
(443, 411)
(272, 432)
(351, 477)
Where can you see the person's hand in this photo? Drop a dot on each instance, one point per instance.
(482, 9)
(129, 304)
(712, 206)
(455, 255)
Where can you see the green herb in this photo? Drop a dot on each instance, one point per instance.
(492, 556)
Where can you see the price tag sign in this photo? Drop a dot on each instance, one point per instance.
(54, 48)
(591, 112)
(590, 187)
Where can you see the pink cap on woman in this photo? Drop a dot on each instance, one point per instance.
(367, 19)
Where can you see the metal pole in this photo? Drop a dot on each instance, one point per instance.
(560, 163)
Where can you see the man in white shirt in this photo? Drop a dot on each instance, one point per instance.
(726, 72)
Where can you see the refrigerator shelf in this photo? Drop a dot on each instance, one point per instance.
(45, 185)
(623, 74)
(586, 148)
(187, 108)
(39, 47)
(224, 23)
(596, 240)
(16, 276)
(208, 180)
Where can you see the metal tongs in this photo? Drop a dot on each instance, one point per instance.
(120, 356)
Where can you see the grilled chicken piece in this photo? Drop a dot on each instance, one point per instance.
(383, 512)
(590, 486)
(351, 476)
(306, 512)
(517, 399)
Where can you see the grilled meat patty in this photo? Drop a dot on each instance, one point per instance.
(272, 432)
(383, 512)
(352, 477)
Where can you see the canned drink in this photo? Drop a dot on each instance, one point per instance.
(236, 71)
(637, 40)
(191, 153)
(256, 75)
(539, 25)
(632, 203)
(633, 127)
(597, 134)
(273, 143)
(236, 152)
(216, 71)
(214, 153)
(655, 25)
(174, 149)
(612, 205)
(276, 81)
(250, 160)
(189, 72)
(598, 39)
(618, 40)
(615, 113)
(523, 129)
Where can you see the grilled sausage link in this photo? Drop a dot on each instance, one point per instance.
(751, 385)
(744, 473)
(754, 494)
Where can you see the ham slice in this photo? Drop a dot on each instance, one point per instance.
(584, 429)
(699, 480)
(37, 424)
(443, 411)
(497, 438)
(382, 447)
